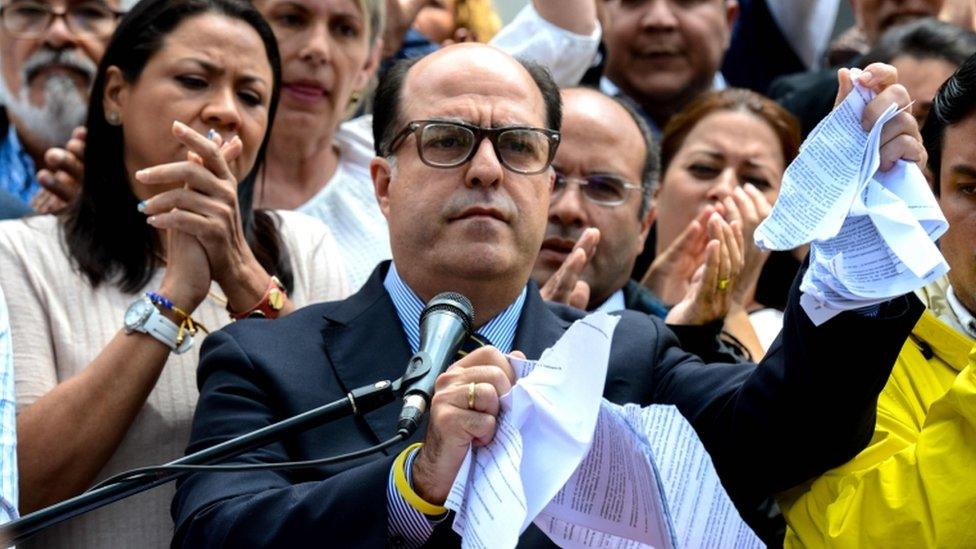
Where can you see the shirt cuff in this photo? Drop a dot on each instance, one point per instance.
(566, 54)
(407, 527)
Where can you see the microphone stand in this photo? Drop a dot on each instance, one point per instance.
(363, 399)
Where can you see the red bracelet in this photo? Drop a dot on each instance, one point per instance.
(270, 305)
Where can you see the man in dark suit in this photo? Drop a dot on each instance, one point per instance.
(600, 211)
(464, 138)
(601, 208)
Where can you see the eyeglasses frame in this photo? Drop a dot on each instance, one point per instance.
(479, 135)
(53, 14)
(581, 181)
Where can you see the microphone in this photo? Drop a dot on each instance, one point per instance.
(444, 325)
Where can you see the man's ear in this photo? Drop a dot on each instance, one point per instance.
(381, 171)
(646, 223)
(116, 95)
(731, 16)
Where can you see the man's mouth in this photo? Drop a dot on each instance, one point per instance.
(481, 212)
(63, 68)
(658, 52)
(556, 249)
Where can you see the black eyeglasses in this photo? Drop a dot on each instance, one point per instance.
(441, 144)
(29, 19)
(599, 188)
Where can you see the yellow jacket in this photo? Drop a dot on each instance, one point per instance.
(915, 484)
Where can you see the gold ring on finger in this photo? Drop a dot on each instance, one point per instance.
(723, 284)
(471, 395)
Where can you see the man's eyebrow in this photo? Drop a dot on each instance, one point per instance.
(964, 169)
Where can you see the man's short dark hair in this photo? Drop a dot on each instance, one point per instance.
(386, 103)
(651, 170)
(924, 39)
(955, 101)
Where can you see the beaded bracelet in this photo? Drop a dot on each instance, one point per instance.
(187, 324)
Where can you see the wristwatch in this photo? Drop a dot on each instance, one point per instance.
(142, 316)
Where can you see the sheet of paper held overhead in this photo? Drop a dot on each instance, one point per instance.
(871, 233)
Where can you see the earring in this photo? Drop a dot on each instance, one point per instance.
(355, 96)
(114, 118)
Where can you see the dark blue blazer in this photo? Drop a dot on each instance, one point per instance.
(808, 407)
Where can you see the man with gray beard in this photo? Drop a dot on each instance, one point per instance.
(49, 50)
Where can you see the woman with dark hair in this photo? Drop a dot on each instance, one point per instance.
(161, 242)
(726, 152)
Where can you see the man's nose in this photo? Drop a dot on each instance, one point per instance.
(485, 169)
(567, 207)
(659, 14)
(59, 35)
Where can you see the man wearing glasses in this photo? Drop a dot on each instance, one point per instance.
(606, 173)
(49, 51)
(464, 140)
(600, 211)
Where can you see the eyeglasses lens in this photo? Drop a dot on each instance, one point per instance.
(445, 144)
(600, 189)
(524, 150)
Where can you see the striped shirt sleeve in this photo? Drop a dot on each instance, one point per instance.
(407, 527)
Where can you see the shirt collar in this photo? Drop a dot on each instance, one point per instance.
(500, 330)
(614, 303)
(611, 89)
(17, 170)
(966, 319)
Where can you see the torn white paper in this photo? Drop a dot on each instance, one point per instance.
(872, 233)
(590, 473)
(545, 427)
(647, 481)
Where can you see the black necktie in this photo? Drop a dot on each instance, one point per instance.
(471, 343)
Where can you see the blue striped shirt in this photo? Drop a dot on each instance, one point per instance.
(8, 422)
(408, 527)
(17, 171)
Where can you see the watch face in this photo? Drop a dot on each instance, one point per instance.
(137, 314)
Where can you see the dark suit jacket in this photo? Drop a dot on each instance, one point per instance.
(809, 407)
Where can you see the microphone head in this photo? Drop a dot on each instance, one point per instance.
(452, 302)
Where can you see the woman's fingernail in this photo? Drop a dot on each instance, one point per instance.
(151, 220)
(866, 77)
(142, 174)
(179, 127)
(142, 205)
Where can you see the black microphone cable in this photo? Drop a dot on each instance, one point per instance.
(157, 471)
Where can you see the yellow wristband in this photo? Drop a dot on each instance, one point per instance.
(403, 486)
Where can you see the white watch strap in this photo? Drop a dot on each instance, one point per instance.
(166, 331)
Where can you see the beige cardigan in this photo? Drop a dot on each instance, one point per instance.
(59, 324)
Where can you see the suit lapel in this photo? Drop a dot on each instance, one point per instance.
(365, 344)
(539, 328)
